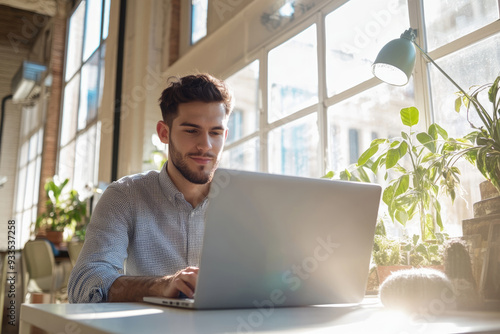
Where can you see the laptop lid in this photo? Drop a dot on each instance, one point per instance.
(274, 240)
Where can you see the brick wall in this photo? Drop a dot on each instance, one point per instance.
(51, 131)
(175, 29)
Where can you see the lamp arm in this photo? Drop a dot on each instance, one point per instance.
(442, 71)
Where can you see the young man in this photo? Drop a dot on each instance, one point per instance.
(145, 235)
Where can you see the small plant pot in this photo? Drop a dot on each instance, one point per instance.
(56, 237)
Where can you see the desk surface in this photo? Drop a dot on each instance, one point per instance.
(369, 317)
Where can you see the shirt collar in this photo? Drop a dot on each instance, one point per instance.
(171, 192)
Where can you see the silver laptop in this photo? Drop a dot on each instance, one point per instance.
(273, 241)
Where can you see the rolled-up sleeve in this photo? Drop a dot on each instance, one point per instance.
(105, 249)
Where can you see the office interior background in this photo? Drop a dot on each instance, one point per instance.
(306, 100)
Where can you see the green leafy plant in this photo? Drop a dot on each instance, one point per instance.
(157, 159)
(424, 253)
(61, 209)
(386, 251)
(419, 168)
(485, 154)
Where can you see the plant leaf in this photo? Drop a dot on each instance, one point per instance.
(403, 148)
(392, 158)
(402, 184)
(401, 217)
(458, 104)
(409, 116)
(426, 140)
(328, 175)
(441, 131)
(370, 152)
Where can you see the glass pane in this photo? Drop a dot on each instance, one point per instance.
(84, 159)
(199, 11)
(92, 28)
(30, 184)
(75, 40)
(293, 75)
(476, 65)
(25, 125)
(30, 119)
(105, 24)
(88, 92)
(70, 110)
(67, 163)
(40, 141)
(294, 148)
(242, 157)
(447, 20)
(36, 185)
(33, 146)
(354, 123)
(101, 74)
(245, 117)
(21, 188)
(355, 33)
(23, 155)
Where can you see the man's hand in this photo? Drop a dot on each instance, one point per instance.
(182, 281)
(134, 288)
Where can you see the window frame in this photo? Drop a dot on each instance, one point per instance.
(422, 90)
(95, 121)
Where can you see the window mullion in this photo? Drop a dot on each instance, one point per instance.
(322, 91)
(420, 73)
(263, 110)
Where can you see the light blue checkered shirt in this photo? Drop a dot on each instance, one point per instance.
(142, 221)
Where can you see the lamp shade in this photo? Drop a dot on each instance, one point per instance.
(394, 63)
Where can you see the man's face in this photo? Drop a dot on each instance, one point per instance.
(196, 139)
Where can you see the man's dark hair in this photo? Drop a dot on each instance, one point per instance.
(193, 88)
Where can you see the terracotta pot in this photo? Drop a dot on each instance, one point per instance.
(385, 271)
(56, 237)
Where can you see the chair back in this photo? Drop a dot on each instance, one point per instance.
(74, 249)
(39, 259)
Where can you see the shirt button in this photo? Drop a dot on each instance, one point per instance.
(191, 215)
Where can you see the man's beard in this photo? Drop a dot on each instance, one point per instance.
(201, 177)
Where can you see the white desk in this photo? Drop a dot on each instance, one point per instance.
(369, 317)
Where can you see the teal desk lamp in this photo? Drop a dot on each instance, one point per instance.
(394, 63)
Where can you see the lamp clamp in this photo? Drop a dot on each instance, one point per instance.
(410, 34)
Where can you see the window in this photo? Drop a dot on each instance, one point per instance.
(355, 33)
(84, 74)
(294, 147)
(447, 20)
(320, 104)
(242, 146)
(293, 84)
(199, 13)
(30, 161)
(353, 146)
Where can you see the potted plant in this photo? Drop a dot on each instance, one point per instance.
(393, 254)
(62, 210)
(424, 253)
(419, 169)
(386, 254)
(482, 231)
(485, 152)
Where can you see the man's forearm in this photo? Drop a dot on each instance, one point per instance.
(134, 288)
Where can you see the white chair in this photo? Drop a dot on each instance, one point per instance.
(42, 274)
(74, 249)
